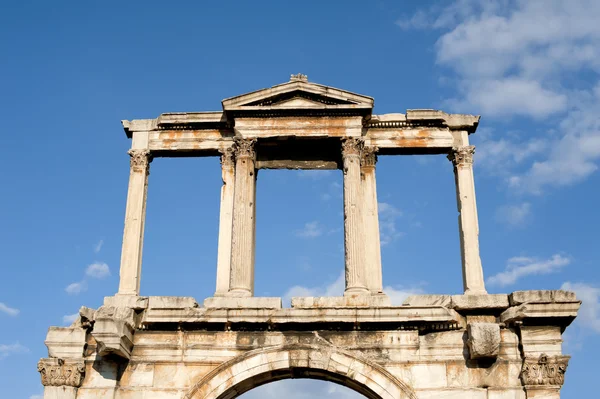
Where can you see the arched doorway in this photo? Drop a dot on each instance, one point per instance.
(328, 363)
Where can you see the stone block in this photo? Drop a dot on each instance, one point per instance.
(541, 296)
(171, 302)
(353, 301)
(113, 336)
(66, 342)
(453, 393)
(255, 302)
(563, 312)
(127, 301)
(483, 340)
(428, 300)
(61, 392)
(475, 302)
(538, 340)
(503, 393)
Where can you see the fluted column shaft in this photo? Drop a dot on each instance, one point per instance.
(135, 217)
(356, 279)
(462, 159)
(371, 221)
(243, 232)
(225, 222)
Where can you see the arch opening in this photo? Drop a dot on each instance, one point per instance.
(297, 373)
(258, 367)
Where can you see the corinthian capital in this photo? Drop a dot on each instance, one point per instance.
(57, 372)
(352, 147)
(244, 148)
(140, 159)
(227, 156)
(369, 156)
(545, 370)
(461, 156)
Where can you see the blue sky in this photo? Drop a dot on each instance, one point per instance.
(71, 71)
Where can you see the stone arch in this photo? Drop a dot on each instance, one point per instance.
(262, 366)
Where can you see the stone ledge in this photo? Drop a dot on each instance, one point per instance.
(485, 301)
(397, 314)
(66, 342)
(428, 300)
(226, 302)
(565, 310)
(541, 296)
(127, 301)
(355, 301)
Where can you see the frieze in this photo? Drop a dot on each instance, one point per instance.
(544, 370)
(140, 159)
(57, 372)
(461, 156)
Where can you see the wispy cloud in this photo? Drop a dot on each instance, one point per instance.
(76, 288)
(336, 288)
(589, 313)
(98, 246)
(98, 270)
(310, 230)
(514, 215)
(522, 266)
(314, 174)
(520, 59)
(8, 310)
(388, 216)
(12, 349)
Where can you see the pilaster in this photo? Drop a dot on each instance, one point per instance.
(371, 220)
(61, 378)
(225, 221)
(135, 216)
(462, 159)
(356, 273)
(243, 226)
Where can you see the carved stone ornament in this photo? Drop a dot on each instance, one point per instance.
(227, 156)
(299, 77)
(352, 146)
(140, 159)
(461, 156)
(545, 370)
(244, 148)
(56, 372)
(369, 156)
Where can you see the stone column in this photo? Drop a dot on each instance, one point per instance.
(243, 232)
(354, 231)
(225, 222)
(371, 221)
(135, 216)
(61, 378)
(462, 159)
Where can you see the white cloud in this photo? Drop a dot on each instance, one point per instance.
(70, 318)
(16, 348)
(388, 215)
(98, 246)
(522, 266)
(311, 230)
(521, 58)
(76, 288)
(514, 215)
(397, 296)
(335, 288)
(589, 313)
(8, 310)
(98, 270)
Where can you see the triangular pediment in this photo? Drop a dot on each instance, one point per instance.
(298, 93)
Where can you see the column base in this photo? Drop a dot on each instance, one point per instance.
(238, 293)
(356, 291)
